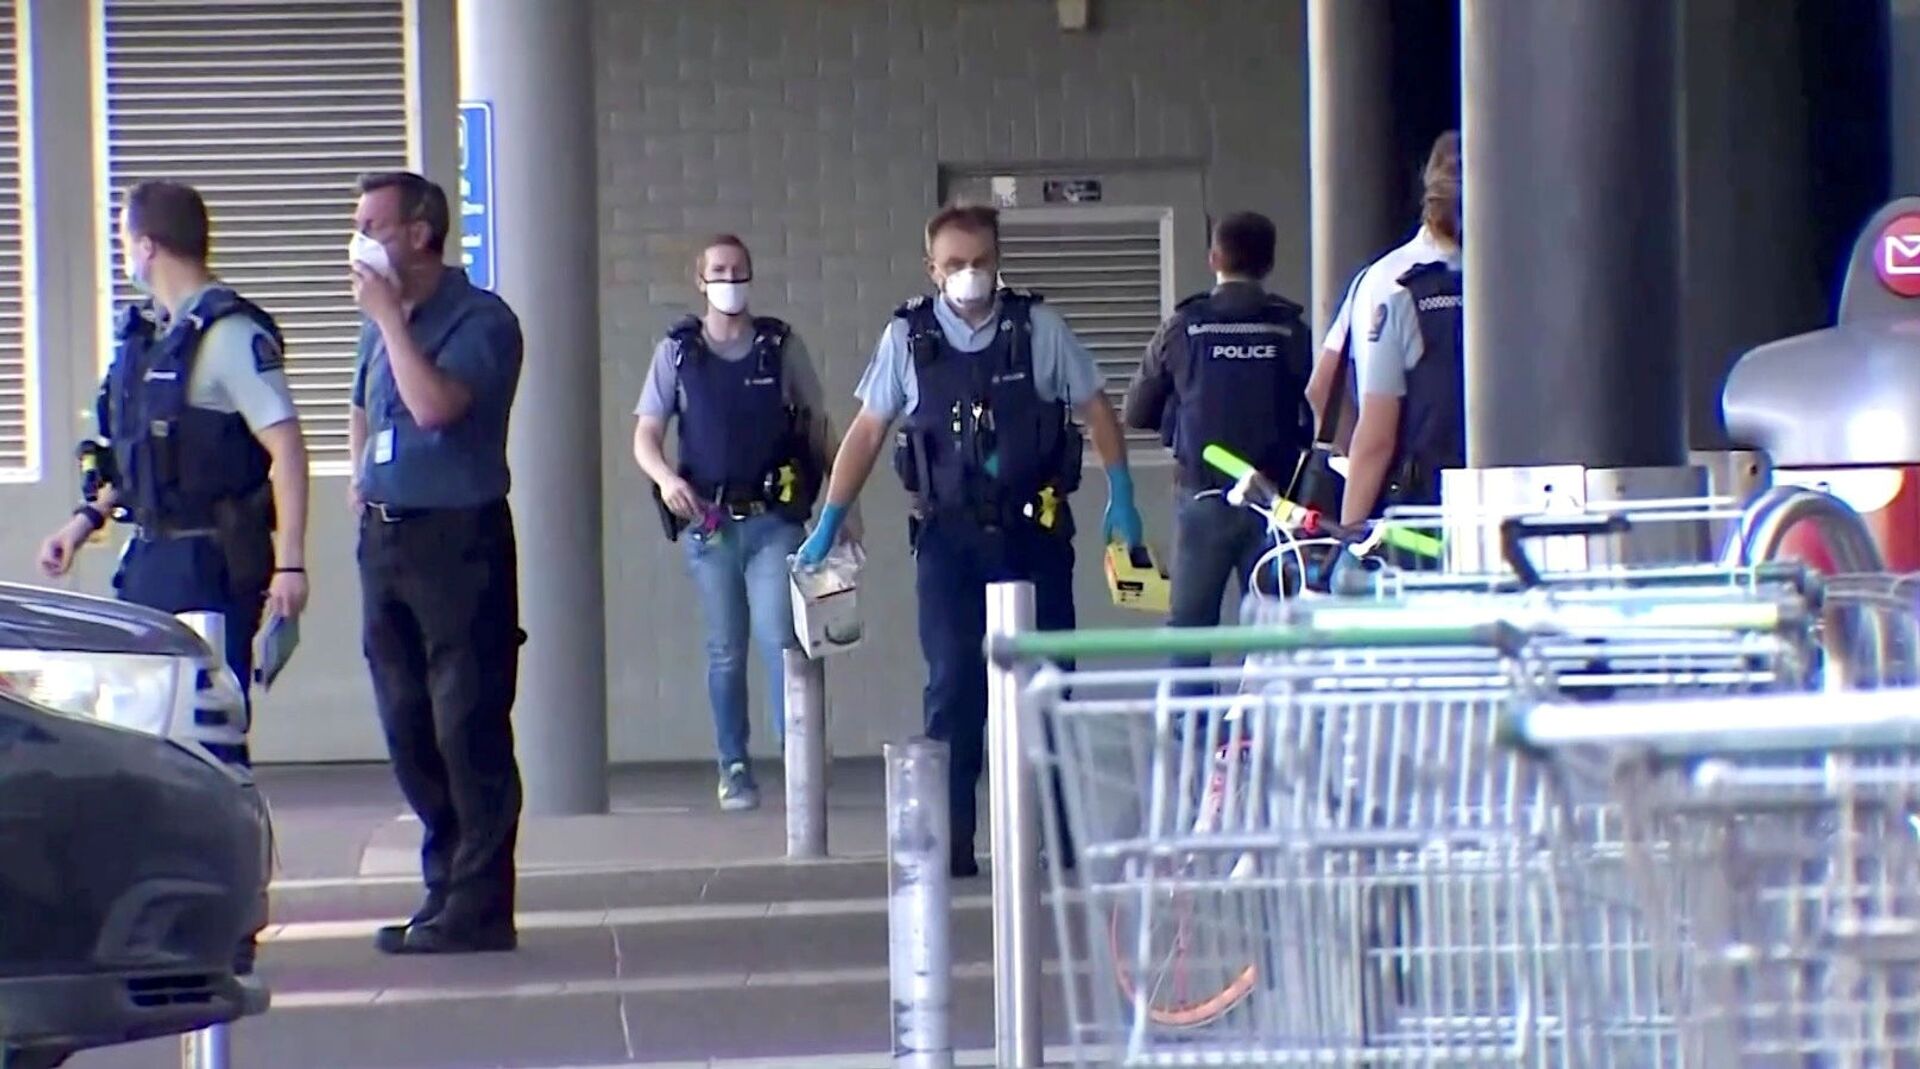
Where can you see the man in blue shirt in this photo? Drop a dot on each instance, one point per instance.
(438, 367)
(984, 380)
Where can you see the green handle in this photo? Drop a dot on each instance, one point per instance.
(1232, 466)
(1176, 641)
(1418, 543)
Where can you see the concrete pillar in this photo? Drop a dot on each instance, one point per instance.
(1572, 233)
(433, 95)
(532, 60)
(1903, 75)
(66, 255)
(1749, 273)
(1350, 145)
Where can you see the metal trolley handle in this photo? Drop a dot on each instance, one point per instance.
(1516, 530)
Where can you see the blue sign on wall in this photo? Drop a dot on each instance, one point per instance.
(477, 245)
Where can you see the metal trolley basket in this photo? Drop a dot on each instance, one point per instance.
(1324, 855)
(1775, 848)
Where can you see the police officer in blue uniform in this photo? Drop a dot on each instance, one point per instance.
(1229, 367)
(202, 451)
(986, 380)
(1408, 366)
(751, 452)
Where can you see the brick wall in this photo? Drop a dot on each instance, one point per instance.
(816, 129)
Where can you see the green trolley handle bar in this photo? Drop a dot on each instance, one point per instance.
(1280, 638)
(1417, 543)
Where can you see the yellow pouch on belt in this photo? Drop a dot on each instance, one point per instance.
(1137, 581)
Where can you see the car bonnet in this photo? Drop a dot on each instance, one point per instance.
(38, 618)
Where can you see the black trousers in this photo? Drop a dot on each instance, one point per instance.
(190, 574)
(956, 560)
(441, 601)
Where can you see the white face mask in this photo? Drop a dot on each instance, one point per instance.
(372, 255)
(969, 285)
(136, 274)
(729, 298)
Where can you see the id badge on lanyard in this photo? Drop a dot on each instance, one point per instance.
(383, 439)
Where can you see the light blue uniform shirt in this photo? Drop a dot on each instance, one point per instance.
(1063, 369)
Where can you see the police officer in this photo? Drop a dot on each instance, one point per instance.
(752, 447)
(986, 380)
(1229, 367)
(433, 390)
(204, 453)
(1367, 291)
(1407, 367)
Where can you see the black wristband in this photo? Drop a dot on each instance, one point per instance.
(94, 518)
(289, 571)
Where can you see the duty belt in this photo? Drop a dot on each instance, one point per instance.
(741, 504)
(163, 532)
(393, 513)
(1043, 512)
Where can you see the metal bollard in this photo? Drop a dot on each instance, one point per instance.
(806, 756)
(919, 903)
(209, 1048)
(1016, 845)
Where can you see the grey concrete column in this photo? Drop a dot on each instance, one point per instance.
(1350, 144)
(1749, 271)
(1572, 233)
(67, 244)
(532, 60)
(433, 95)
(1903, 71)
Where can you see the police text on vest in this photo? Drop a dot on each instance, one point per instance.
(1246, 352)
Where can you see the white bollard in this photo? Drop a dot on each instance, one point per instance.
(209, 1048)
(806, 756)
(919, 904)
(1015, 817)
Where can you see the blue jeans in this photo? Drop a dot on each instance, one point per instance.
(1212, 542)
(741, 573)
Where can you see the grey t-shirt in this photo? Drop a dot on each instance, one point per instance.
(663, 396)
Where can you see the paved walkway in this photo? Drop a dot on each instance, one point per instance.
(664, 934)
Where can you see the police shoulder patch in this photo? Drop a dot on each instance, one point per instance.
(1379, 326)
(266, 354)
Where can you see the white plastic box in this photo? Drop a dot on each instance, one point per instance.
(826, 604)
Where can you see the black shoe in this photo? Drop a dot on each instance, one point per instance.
(390, 938)
(436, 938)
(963, 867)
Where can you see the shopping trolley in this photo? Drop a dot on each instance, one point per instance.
(1322, 856)
(1332, 863)
(1775, 848)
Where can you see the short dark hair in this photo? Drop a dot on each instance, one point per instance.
(1245, 241)
(421, 201)
(979, 218)
(171, 215)
(729, 240)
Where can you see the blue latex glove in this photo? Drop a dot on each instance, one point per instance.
(815, 548)
(1122, 519)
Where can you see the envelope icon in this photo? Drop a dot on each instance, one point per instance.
(1902, 254)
